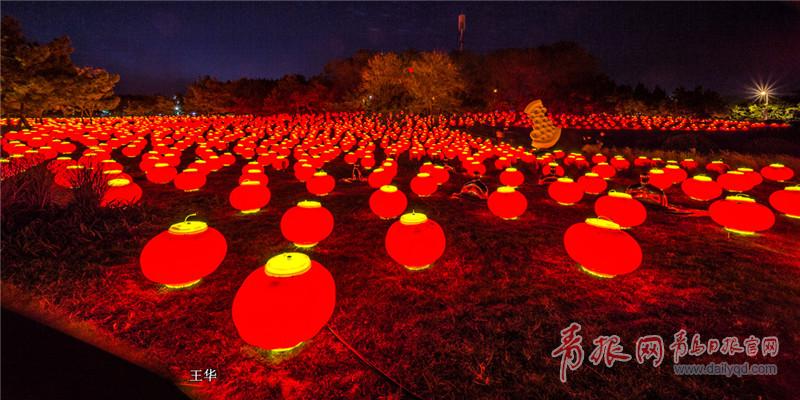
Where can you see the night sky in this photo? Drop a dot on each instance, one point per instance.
(161, 47)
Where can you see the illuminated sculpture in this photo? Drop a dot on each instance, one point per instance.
(415, 241)
(741, 214)
(601, 248)
(544, 134)
(388, 202)
(184, 254)
(507, 203)
(284, 303)
(307, 223)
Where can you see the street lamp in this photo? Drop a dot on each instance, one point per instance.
(762, 92)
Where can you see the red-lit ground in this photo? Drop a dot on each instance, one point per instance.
(480, 323)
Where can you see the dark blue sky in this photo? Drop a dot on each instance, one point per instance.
(161, 47)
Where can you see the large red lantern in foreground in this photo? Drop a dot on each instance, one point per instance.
(507, 203)
(602, 248)
(388, 202)
(415, 241)
(249, 197)
(565, 191)
(284, 303)
(182, 255)
(777, 172)
(787, 201)
(320, 183)
(423, 185)
(307, 223)
(621, 208)
(741, 214)
(512, 177)
(702, 188)
(121, 192)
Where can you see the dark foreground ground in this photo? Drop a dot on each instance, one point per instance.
(480, 323)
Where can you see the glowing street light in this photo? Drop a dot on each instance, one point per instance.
(762, 92)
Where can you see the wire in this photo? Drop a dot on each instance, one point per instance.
(373, 366)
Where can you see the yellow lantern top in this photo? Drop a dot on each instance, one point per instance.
(286, 265)
(505, 189)
(739, 197)
(621, 195)
(423, 175)
(795, 188)
(702, 178)
(592, 174)
(188, 227)
(776, 165)
(161, 165)
(320, 173)
(744, 169)
(118, 182)
(413, 218)
(309, 204)
(565, 179)
(389, 188)
(250, 182)
(656, 171)
(511, 169)
(602, 223)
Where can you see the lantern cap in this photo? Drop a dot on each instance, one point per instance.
(505, 189)
(309, 204)
(702, 178)
(744, 169)
(250, 182)
(565, 179)
(511, 169)
(717, 162)
(776, 165)
(320, 173)
(119, 182)
(253, 170)
(656, 171)
(552, 164)
(286, 265)
(688, 159)
(112, 171)
(740, 197)
(621, 195)
(78, 166)
(795, 188)
(423, 175)
(389, 188)
(673, 166)
(379, 169)
(188, 227)
(735, 172)
(413, 218)
(592, 174)
(602, 223)
(190, 170)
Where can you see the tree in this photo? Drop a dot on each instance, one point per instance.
(208, 95)
(382, 83)
(146, 105)
(434, 83)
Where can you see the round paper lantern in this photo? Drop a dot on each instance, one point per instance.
(602, 249)
(423, 184)
(741, 214)
(379, 177)
(306, 224)
(512, 177)
(592, 183)
(161, 173)
(642, 162)
(507, 203)
(702, 188)
(621, 208)
(775, 172)
(553, 169)
(189, 180)
(717, 166)
(121, 192)
(659, 179)
(440, 174)
(182, 255)
(751, 176)
(565, 191)
(303, 171)
(284, 303)
(675, 172)
(415, 241)
(69, 176)
(249, 197)
(787, 201)
(735, 181)
(599, 158)
(604, 170)
(388, 202)
(689, 164)
(320, 183)
(620, 163)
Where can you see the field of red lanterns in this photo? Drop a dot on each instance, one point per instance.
(350, 255)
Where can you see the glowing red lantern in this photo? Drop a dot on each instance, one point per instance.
(320, 183)
(440, 174)
(306, 224)
(775, 172)
(161, 173)
(675, 172)
(121, 192)
(621, 208)
(751, 176)
(602, 249)
(190, 180)
(415, 241)
(689, 164)
(507, 203)
(379, 177)
(659, 179)
(599, 158)
(553, 169)
(284, 303)
(787, 201)
(184, 254)
(735, 181)
(642, 162)
(388, 202)
(303, 171)
(250, 197)
(512, 177)
(717, 166)
(620, 163)
(69, 176)
(565, 191)
(702, 188)
(592, 183)
(741, 214)
(423, 184)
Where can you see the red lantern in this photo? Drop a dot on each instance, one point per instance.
(621, 208)
(512, 177)
(602, 249)
(592, 183)
(702, 188)
(249, 197)
(675, 173)
(565, 191)
(659, 179)
(620, 163)
(379, 177)
(121, 192)
(751, 176)
(303, 171)
(415, 241)
(306, 224)
(423, 185)
(741, 214)
(161, 173)
(190, 180)
(775, 172)
(440, 175)
(320, 183)
(599, 158)
(284, 303)
(735, 181)
(553, 169)
(507, 203)
(717, 166)
(689, 164)
(182, 255)
(787, 201)
(388, 202)
(642, 162)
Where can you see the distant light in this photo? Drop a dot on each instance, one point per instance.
(762, 91)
